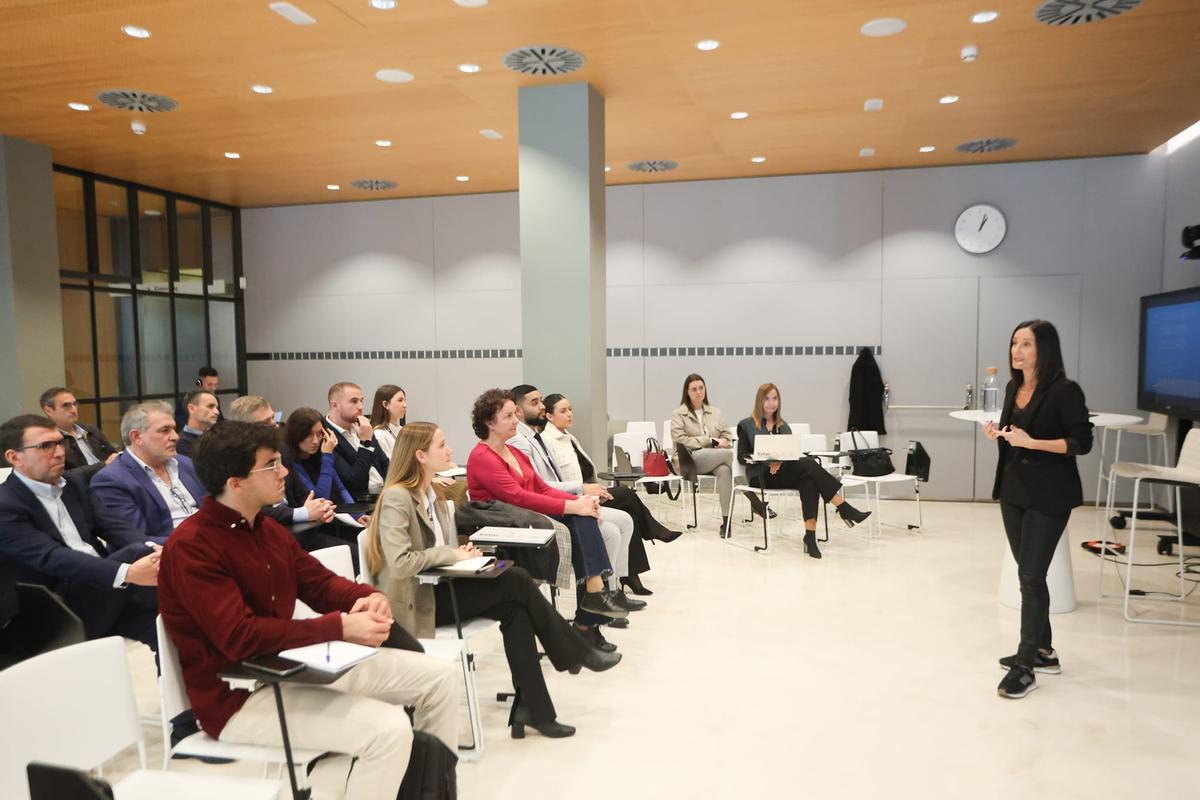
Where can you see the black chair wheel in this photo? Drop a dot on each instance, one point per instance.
(1117, 522)
(1165, 547)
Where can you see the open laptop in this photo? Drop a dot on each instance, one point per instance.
(781, 447)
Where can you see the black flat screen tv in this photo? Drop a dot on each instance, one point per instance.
(1169, 354)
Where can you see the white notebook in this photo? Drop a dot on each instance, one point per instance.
(346, 519)
(533, 537)
(471, 566)
(330, 656)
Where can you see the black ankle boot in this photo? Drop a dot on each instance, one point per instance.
(810, 543)
(551, 730)
(851, 515)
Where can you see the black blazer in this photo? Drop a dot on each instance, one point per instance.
(35, 551)
(1050, 481)
(101, 447)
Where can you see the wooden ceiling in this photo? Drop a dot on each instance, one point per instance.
(801, 69)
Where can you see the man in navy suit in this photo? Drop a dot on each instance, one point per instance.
(54, 534)
(149, 486)
(360, 464)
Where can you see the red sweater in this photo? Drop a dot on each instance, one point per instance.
(226, 592)
(489, 477)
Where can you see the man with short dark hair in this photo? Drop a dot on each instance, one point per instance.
(54, 533)
(203, 412)
(359, 463)
(88, 449)
(207, 380)
(231, 577)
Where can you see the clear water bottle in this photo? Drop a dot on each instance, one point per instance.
(989, 393)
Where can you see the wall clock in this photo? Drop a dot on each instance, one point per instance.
(980, 228)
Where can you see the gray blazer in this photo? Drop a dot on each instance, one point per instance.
(525, 442)
(406, 538)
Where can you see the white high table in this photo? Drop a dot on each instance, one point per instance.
(1059, 578)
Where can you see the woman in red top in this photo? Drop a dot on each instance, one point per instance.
(496, 471)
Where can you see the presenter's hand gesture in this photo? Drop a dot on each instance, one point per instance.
(991, 431)
(1017, 437)
(365, 627)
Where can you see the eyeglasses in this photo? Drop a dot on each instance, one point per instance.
(47, 446)
(274, 465)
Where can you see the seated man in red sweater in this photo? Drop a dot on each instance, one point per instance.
(228, 583)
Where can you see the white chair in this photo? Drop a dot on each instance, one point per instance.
(667, 441)
(337, 560)
(1153, 428)
(74, 707)
(172, 695)
(633, 444)
(1186, 473)
(866, 440)
(640, 427)
(4, 473)
(447, 645)
(739, 471)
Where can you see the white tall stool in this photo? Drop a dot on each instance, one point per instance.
(1059, 579)
(1153, 428)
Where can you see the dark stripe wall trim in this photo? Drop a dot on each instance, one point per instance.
(612, 352)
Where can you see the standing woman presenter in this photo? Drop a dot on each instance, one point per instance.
(1043, 426)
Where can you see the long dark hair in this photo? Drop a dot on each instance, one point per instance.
(1049, 353)
(297, 428)
(379, 414)
(686, 402)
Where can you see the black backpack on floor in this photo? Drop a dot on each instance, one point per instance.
(431, 771)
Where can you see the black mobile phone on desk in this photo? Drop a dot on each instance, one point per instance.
(274, 665)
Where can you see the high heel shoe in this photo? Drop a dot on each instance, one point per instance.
(810, 544)
(634, 584)
(551, 730)
(668, 535)
(851, 515)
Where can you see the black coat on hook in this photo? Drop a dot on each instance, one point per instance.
(866, 394)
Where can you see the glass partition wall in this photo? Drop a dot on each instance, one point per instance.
(151, 292)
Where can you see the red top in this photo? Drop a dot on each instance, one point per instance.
(226, 592)
(489, 477)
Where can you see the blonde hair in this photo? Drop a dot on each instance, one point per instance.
(404, 473)
(757, 414)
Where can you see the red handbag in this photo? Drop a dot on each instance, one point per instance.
(654, 460)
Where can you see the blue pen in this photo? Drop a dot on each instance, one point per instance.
(327, 645)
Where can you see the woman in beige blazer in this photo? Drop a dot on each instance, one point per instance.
(702, 430)
(412, 530)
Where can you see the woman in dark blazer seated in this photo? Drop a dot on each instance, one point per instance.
(413, 530)
(1043, 427)
(806, 475)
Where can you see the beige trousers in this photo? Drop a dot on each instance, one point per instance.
(361, 715)
(716, 462)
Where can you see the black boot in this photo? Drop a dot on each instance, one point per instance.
(551, 730)
(602, 603)
(634, 584)
(851, 515)
(810, 543)
(725, 532)
(626, 602)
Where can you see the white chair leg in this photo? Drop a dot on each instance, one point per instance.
(1179, 542)
(472, 707)
(1137, 486)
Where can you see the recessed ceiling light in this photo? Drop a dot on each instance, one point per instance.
(948, 99)
(233, 155)
(333, 187)
(383, 142)
(261, 88)
(928, 148)
(394, 76)
(607, 168)
(468, 68)
(984, 17)
(138, 127)
(488, 133)
(707, 44)
(884, 26)
(383, 5)
(292, 14)
(462, 178)
(471, 3)
(738, 115)
(136, 31)
(79, 106)
(758, 159)
(152, 212)
(866, 152)
(873, 104)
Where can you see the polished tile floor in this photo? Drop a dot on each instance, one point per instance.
(871, 673)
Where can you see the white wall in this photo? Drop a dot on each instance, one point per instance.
(802, 261)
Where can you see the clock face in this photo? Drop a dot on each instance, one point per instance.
(980, 229)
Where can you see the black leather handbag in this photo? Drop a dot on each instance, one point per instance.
(870, 462)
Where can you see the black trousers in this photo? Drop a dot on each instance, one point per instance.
(1033, 536)
(807, 477)
(645, 526)
(523, 612)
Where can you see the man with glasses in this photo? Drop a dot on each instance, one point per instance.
(150, 485)
(88, 449)
(54, 534)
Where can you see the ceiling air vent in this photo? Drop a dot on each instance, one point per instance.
(133, 100)
(543, 59)
(990, 145)
(653, 165)
(1075, 12)
(373, 184)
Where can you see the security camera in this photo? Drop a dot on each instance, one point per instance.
(138, 127)
(969, 53)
